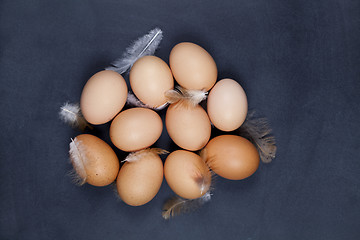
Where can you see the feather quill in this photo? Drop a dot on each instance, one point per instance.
(77, 158)
(136, 156)
(185, 96)
(70, 113)
(178, 205)
(146, 45)
(258, 131)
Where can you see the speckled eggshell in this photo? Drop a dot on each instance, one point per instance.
(97, 158)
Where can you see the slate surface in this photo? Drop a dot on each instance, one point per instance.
(298, 62)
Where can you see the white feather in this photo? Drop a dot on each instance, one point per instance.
(77, 157)
(145, 45)
(132, 100)
(70, 113)
(136, 156)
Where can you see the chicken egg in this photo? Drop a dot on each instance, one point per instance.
(192, 66)
(103, 96)
(140, 180)
(94, 161)
(135, 129)
(150, 78)
(232, 157)
(189, 127)
(187, 174)
(227, 105)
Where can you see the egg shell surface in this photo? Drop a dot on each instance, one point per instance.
(97, 158)
(135, 129)
(232, 157)
(150, 78)
(227, 105)
(187, 174)
(189, 127)
(139, 181)
(103, 96)
(192, 66)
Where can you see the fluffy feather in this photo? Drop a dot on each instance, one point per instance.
(70, 113)
(203, 180)
(136, 156)
(145, 45)
(177, 205)
(132, 100)
(187, 97)
(258, 131)
(77, 158)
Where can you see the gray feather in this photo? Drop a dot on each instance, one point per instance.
(178, 205)
(258, 131)
(145, 45)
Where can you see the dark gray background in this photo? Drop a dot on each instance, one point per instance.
(298, 61)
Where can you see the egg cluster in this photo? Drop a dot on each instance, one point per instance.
(188, 171)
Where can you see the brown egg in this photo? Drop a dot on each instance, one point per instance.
(187, 174)
(189, 127)
(150, 78)
(103, 96)
(227, 105)
(93, 160)
(192, 66)
(232, 157)
(135, 129)
(140, 180)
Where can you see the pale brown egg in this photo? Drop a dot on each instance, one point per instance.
(227, 105)
(187, 174)
(192, 66)
(232, 157)
(135, 129)
(189, 127)
(140, 180)
(103, 96)
(150, 78)
(94, 161)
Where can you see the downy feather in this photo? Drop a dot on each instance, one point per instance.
(145, 45)
(77, 158)
(132, 100)
(203, 180)
(184, 96)
(70, 113)
(258, 131)
(178, 205)
(136, 156)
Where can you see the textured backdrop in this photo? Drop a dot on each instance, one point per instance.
(298, 61)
